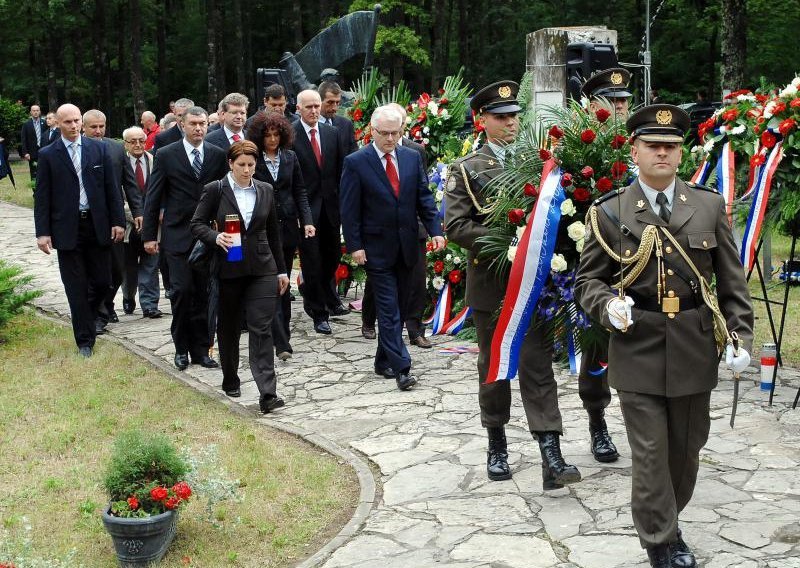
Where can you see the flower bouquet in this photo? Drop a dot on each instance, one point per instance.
(347, 272)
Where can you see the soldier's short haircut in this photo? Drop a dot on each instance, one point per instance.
(233, 99)
(194, 111)
(94, 114)
(274, 91)
(329, 87)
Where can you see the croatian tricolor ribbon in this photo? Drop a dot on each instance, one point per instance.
(702, 173)
(573, 348)
(442, 312)
(455, 325)
(726, 176)
(233, 228)
(529, 272)
(755, 218)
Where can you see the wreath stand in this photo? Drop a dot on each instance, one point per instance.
(777, 335)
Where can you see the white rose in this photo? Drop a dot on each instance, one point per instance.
(438, 282)
(449, 257)
(456, 260)
(789, 91)
(742, 98)
(738, 129)
(512, 252)
(576, 231)
(433, 108)
(568, 208)
(796, 82)
(579, 245)
(426, 141)
(723, 128)
(426, 130)
(696, 149)
(558, 263)
(439, 196)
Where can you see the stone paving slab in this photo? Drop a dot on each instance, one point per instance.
(434, 506)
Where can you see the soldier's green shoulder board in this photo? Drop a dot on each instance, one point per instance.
(693, 185)
(609, 195)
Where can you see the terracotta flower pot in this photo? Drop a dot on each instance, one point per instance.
(141, 541)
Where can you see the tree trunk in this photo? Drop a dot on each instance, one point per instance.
(135, 30)
(101, 67)
(161, 60)
(211, 32)
(297, 17)
(219, 26)
(734, 43)
(238, 46)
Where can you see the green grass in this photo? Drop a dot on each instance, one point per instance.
(59, 415)
(23, 194)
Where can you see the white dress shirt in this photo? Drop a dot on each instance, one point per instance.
(651, 195)
(188, 148)
(308, 128)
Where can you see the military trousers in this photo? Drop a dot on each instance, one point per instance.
(593, 379)
(537, 383)
(665, 435)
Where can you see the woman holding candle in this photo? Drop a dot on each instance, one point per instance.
(251, 269)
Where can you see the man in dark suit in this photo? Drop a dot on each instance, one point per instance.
(52, 129)
(180, 172)
(78, 211)
(331, 95)
(384, 191)
(232, 114)
(175, 133)
(319, 154)
(274, 101)
(94, 126)
(32, 138)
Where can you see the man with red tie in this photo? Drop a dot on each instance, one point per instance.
(383, 190)
(232, 115)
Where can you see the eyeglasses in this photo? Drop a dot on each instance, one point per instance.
(135, 142)
(389, 133)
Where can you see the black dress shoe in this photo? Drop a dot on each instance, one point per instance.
(603, 449)
(128, 306)
(85, 352)
(112, 317)
(680, 555)
(181, 361)
(368, 332)
(268, 403)
(387, 373)
(322, 327)
(205, 361)
(339, 310)
(421, 341)
(99, 327)
(658, 556)
(152, 314)
(405, 381)
(234, 393)
(556, 473)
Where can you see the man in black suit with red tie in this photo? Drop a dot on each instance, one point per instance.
(180, 172)
(78, 212)
(384, 191)
(319, 154)
(232, 114)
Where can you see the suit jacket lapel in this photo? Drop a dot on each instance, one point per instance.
(682, 207)
(302, 143)
(63, 153)
(643, 212)
(406, 170)
(261, 195)
(377, 165)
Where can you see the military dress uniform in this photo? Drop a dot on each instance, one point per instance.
(665, 364)
(485, 290)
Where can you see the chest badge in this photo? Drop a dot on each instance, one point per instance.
(640, 203)
(682, 197)
(491, 162)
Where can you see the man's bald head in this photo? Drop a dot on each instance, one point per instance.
(69, 121)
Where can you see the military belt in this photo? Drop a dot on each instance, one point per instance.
(670, 305)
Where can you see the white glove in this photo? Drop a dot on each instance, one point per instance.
(737, 363)
(619, 312)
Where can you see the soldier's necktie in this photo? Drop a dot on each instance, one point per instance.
(83, 201)
(197, 164)
(236, 137)
(391, 173)
(315, 147)
(663, 211)
(139, 174)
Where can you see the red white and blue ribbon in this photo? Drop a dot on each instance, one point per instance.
(455, 324)
(702, 173)
(573, 347)
(529, 272)
(762, 183)
(726, 177)
(441, 314)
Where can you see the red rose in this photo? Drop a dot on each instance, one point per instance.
(438, 267)
(588, 136)
(619, 141)
(358, 114)
(158, 493)
(367, 138)
(730, 115)
(787, 126)
(423, 100)
(602, 114)
(778, 108)
(581, 194)
(172, 503)
(429, 246)
(182, 490)
(603, 185)
(795, 103)
(587, 172)
(422, 117)
(761, 98)
(768, 139)
(416, 132)
(566, 180)
(515, 216)
(530, 190)
(454, 276)
(133, 502)
(753, 113)
(555, 132)
(443, 101)
(441, 91)
(618, 169)
(342, 272)
(545, 155)
(359, 133)
(757, 129)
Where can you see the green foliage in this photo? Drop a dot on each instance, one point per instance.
(12, 116)
(401, 41)
(12, 299)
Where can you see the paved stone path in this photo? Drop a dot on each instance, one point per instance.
(434, 505)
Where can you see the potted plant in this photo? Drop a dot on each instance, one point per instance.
(145, 483)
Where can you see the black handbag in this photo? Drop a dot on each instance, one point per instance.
(201, 254)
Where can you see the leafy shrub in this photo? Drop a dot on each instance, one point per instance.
(12, 115)
(12, 299)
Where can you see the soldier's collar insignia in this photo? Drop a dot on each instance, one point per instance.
(640, 203)
(490, 162)
(682, 197)
(504, 91)
(616, 78)
(664, 117)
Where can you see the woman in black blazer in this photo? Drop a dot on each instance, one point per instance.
(250, 265)
(278, 166)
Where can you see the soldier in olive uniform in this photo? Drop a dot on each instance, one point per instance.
(612, 85)
(663, 358)
(497, 109)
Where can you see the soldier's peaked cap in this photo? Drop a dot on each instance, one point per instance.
(611, 83)
(659, 123)
(497, 98)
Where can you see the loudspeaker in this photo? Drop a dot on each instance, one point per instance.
(584, 60)
(266, 77)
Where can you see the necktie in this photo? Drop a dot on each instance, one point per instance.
(663, 212)
(37, 126)
(139, 174)
(236, 137)
(315, 147)
(391, 173)
(83, 201)
(197, 164)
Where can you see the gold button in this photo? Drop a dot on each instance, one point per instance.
(627, 252)
(705, 244)
(671, 316)
(670, 272)
(475, 262)
(668, 250)
(671, 293)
